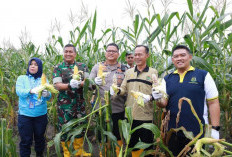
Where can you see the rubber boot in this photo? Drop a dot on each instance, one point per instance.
(65, 149)
(78, 145)
(137, 153)
(118, 148)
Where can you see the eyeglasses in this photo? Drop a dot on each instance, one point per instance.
(112, 51)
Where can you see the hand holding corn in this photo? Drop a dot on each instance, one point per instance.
(100, 79)
(42, 87)
(156, 94)
(45, 93)
(76, 73)
(75, 84)
(114, 89)
(76, 80)
(140, 98)
(157, 91)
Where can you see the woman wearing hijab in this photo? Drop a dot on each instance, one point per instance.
(32, 113)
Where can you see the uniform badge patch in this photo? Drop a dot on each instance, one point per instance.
(148, 78)
(193, 80)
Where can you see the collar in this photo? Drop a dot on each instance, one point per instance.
(112, 67)
(128, 66)
(190, 69)
(68, 65)
(117, 64)
(146, 69)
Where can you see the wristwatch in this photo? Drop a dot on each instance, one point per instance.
(216, 127)
(69, 87)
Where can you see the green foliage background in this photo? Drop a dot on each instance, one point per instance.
(210, 40)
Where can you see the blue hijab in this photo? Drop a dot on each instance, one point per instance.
(40, 67)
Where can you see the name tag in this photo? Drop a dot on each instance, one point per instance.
(32, 103)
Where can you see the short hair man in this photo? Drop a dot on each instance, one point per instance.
(71, 104)
(192, 83)
(117, 70)
(129, 60)
(139, 79)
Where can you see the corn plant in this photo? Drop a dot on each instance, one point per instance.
(7, 142)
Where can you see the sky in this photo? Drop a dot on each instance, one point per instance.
(35, 17)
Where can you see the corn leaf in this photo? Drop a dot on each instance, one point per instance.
(190, 6)
(152, 127)
(94, 23)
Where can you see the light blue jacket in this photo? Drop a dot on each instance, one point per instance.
(23, 86)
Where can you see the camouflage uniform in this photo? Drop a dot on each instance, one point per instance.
(70, 103)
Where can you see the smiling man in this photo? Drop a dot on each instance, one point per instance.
(70, 102)
(114, 69)
(199, 87)
(139, 79)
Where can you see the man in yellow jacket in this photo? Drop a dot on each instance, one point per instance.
(139, 79)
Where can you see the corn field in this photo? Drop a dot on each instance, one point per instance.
(208, 37)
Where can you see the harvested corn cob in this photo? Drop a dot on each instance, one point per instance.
(45, 86)
(138, 97)
(102, 74)
(76, 73)
(114, 85)
(157, 86)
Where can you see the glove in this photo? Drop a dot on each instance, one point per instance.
(215, 134)
(34, 90)
(146, 98)
(114, 90)
(156, 95)
(45, 93)
(98, 81)
(75, 84)
(111, 91)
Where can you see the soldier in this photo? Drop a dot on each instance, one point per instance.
(71, 104)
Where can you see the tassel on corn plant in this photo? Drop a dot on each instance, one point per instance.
(45, 86)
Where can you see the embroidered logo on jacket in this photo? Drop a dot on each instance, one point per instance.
(193, 80)
(148, 78)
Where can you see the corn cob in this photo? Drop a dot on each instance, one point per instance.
(157, 86)
(114, 85)
(138, 97)
(45, 86)
(76, 73)
(102, 74)
(43, 79)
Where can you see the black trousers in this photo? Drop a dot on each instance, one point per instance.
(145, 135)
(177, 142)
(115, 118)
(32, 128)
